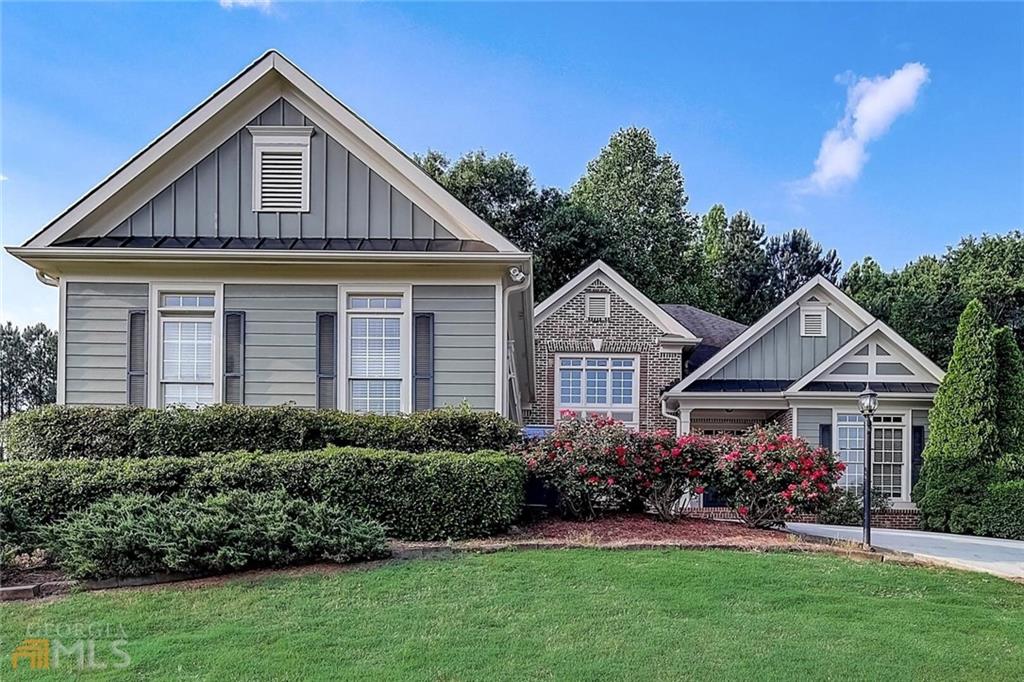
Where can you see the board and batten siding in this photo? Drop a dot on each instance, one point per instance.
(464, 342)
(96, 340)
(782, 353)
(346, 198)
(280, 339)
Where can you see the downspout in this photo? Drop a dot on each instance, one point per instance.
(521, 280)
(48, 280)
(674, 416)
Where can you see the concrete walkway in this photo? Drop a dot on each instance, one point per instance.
(1004, 558)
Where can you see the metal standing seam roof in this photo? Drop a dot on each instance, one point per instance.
(778, 385)
(287, 244)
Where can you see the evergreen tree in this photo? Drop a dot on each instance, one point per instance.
(793, 259)
(571, 237)
(963, 442)
(867, 284)
(1009, 393)
(740, 274)
(638, 193)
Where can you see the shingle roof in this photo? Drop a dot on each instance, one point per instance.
(715, 332)
(290, 244)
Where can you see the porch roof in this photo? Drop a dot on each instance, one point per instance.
(778, 385)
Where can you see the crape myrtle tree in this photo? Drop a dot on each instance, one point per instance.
(963, 442)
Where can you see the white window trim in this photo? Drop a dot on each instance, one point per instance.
(158, 314)
(405, 312)
(813, 309)
(903, 501)
(557, 396)
(279, 138)
(607, 306)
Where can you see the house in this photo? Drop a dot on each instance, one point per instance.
(603, 347)
(272, 247)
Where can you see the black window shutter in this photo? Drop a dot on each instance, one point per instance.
(423, 361)
(326, 361)
(916, 452)
(234, 358)
(825, 436)
(137, 358)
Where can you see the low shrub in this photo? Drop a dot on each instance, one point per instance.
(597, 465)
(63, 432)
(415, 496)
(133, 535)
(1001, 513)
(846, 508)
(767, 478)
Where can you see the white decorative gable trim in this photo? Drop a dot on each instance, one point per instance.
(200, 131)
(877, 344)
(827, 294)
(599, 270)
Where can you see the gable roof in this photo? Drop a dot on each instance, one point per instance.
(846, 308)
(203, 128)
(599, 270)
(715, 332)
(877, 328)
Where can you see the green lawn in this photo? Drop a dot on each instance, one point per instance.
(582, 614)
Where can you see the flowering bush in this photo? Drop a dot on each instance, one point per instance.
(590, 463)
(675, 468)
(597, 465)
(768, 477)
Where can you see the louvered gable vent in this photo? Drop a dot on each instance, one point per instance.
(812, 320)
(280, 168)
(598, 306)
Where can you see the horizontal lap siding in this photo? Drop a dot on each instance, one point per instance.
(280, 339)
(96, 340)
(808, 419)
(464, 342)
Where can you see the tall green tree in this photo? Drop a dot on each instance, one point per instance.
(963, 442)
(870, 286)
(740, 272)
(497, 188)
(28, 367)
(639, 193)
(793, 259)
(1009, 393)
(571, 238)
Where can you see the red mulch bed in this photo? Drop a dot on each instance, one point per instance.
(632, 528)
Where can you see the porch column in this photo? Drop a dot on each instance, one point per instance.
(684, 422)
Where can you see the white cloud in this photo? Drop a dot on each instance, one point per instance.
(872, 104)
(261, 5)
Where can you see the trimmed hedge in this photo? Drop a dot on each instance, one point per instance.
(1001, 511)
(62, 432)
(423, 496)
(134, 535)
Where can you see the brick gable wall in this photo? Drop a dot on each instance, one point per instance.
(568, 330)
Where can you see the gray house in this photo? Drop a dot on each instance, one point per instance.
(270, 247)
(602, 347)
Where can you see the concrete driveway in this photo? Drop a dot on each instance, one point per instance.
(1004, 558)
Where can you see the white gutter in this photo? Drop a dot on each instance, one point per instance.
(48, 280)
(674, 416)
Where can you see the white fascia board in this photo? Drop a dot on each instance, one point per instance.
(846, 308)
(382, 155)
(601, 270)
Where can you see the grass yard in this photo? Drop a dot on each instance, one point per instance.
(579, 614)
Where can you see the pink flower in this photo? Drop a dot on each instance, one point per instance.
(699, 490)
(582, 469)
(742, 511)
(750, 475)
(790, 509)
(592, 480)
(611, 481)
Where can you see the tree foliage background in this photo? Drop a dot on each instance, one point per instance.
(28, 367)
(630, 209)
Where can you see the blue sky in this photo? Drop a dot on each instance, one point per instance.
(741, 95)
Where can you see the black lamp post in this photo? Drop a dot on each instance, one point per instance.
(868, 403)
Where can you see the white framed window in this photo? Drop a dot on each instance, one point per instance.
(813, 320)
(280, 168)
(598, 306)
(889, 448)
(377, 348)
(187, 364)
(599, 385)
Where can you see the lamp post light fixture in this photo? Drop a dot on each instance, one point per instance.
(867, 401)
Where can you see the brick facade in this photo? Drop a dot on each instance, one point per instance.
(568, 330)
(900, 519)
